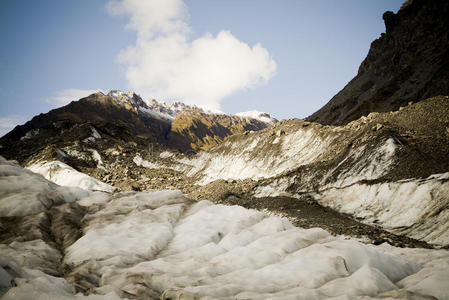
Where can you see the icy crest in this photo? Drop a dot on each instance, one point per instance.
(168, 112)
(258, 115)
(62, 174)
(127, 98)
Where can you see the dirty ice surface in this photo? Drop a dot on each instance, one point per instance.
(148, 245)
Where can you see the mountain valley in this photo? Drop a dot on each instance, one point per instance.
(116, 197)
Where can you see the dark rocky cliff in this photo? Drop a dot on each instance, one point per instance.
(408, 63)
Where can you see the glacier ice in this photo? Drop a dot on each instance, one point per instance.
(63, 174)
(22, 192)
(162, 244)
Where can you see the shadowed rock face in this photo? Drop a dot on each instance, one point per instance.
(408, 63)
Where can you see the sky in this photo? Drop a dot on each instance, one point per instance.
(287, 58)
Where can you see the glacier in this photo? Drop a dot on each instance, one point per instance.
(161, 244)
(63, 174)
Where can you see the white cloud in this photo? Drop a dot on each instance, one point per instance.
(165, 64)
(7, 123)
(64, 97)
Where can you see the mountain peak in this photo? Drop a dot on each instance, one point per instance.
(129, 98)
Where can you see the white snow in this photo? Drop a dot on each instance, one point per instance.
(367, 165)
(168, 112)
(95, 133)
(250, 158)
(166, 154)
(415, 207)
(130, 100)
(62, 174)
(94, 136)
(266, 156)
(258, 115)
(155, 113)
(433, 277)
(36, 285)
(139, 161)
(97, 158)
(35, 254)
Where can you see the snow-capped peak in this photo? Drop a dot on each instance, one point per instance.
(169, 111)
(127, 98)
(258, 115)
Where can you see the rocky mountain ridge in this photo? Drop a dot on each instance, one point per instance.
(408, 63)
(127, 113)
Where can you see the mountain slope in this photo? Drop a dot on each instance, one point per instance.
(128, 117)
(114, 108)
(192, 129)
(409, 63)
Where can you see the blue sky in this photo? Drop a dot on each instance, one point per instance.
(53, 51)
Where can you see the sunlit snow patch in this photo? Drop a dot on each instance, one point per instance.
(62, 174)
(139, 161)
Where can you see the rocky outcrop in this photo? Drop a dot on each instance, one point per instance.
(408, 63)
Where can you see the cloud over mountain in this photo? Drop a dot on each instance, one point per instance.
(166, 63)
